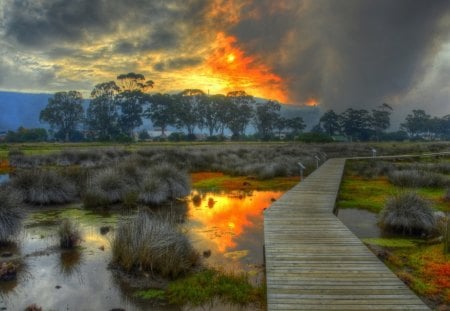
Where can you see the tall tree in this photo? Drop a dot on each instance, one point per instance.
(130, 100)
(102, 115)
(134, 81)
(209, 110)
(296, 125)
(330, 122)
(265, 118)
(64, 112)
(186, 109)
(281, 124)
(381, 119)
(417, 122)
(240, 112)
(356, 124)
(161, 111)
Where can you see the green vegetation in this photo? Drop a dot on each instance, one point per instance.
(392, 242)
(424, 268)
(150, 294)
(202, 288)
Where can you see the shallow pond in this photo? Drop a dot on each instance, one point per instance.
(4, 178)
(226, 227)
(361, 222)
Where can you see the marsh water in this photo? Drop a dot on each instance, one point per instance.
(4, 178)
(361, 222)
(226, 227)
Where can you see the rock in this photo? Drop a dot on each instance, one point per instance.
(102, 248)
(7, 254)
(57, 286)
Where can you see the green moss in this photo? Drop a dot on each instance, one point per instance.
(391, 242)
(150, 294)
(364, 194)
(203, 288)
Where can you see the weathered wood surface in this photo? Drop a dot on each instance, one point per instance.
(314, 262)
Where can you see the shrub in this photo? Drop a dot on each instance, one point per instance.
(152, 244)
(106, 186)
(407, 213)
(69, 234)
(161, 183)
(11, 213)
(43, 187)
(416, 178)
(152, 191)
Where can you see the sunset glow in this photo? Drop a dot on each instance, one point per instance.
(229, 217)
(236, 70)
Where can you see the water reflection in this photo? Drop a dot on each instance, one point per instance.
(361, 222)
(4, 178)
(228, 226)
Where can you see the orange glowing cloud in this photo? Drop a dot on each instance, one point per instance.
(236, 70)
(312, 102)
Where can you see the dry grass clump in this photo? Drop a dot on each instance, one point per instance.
(11, 213)
(129, 184)
(416, 178)
(153, 244)
(407, 213)
(43, 187)
(69, 234)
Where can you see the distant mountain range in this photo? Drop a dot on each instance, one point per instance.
(22, 109)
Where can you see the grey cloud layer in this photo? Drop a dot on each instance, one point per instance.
(347, 53)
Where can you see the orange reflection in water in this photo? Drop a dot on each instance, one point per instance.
(221, 219)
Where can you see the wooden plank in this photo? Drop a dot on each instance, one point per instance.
(314, 262)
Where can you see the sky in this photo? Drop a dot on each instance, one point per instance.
(333, 54)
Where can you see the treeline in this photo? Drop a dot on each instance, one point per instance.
(117, 108)
(364, 125)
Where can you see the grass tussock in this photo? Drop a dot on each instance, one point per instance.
(130, 185)
(153, 244)
(416, 178)
(69, 234)
(407, 213)
(43, 187)
(11, 213)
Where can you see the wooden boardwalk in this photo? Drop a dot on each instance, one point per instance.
(313, 262)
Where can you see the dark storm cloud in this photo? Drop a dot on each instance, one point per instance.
(158, 40)
(177, 63)
(347, 53)
(37, 23)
